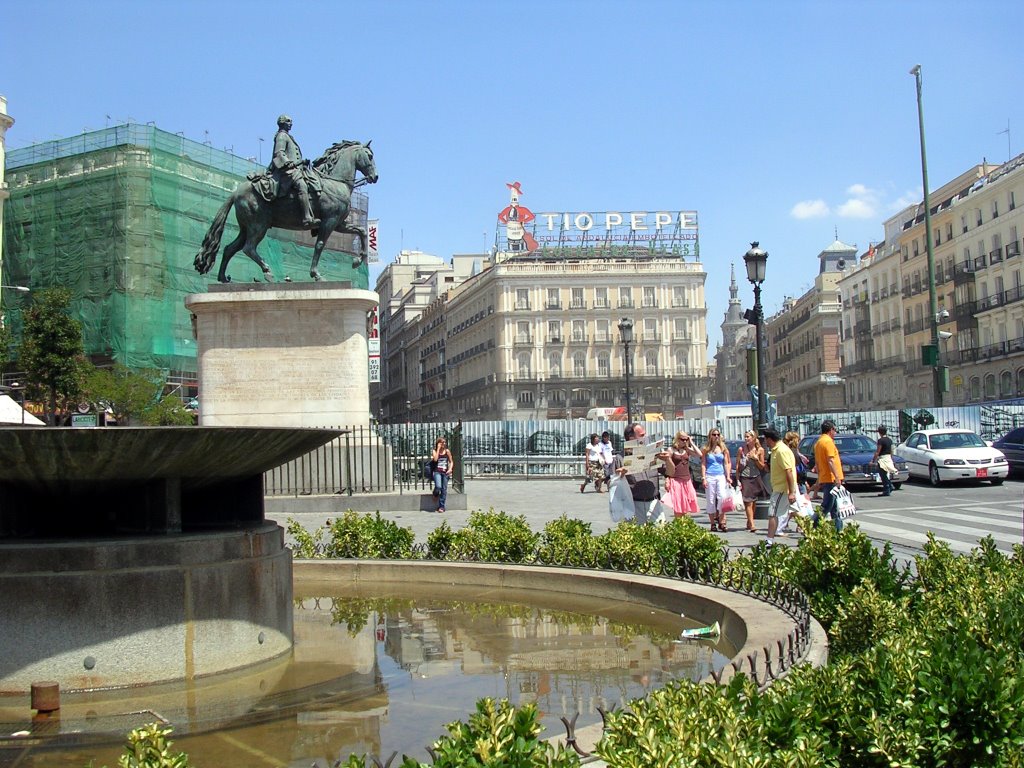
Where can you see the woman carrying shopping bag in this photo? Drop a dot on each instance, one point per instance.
(679, 486)
(752, 463)
(717, 472)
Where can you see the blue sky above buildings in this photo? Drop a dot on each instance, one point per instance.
(781, 122)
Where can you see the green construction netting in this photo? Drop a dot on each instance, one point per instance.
(117, 216)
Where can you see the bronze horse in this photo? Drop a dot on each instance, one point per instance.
(337, 169)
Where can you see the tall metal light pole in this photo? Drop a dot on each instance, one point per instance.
(626, 332)
(756, 261)
(938, 372)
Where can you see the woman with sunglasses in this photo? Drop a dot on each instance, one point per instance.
(717, 471)
(752, 463)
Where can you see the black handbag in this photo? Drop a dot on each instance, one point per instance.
(428, 469)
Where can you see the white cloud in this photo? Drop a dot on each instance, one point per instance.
(911, 197)
(857, 208)
(809, 209)
(862, 203)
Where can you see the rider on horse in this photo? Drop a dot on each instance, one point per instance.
(287, 167)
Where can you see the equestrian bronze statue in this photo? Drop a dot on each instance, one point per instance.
(328, 183)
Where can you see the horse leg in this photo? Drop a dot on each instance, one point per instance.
(230, 250)
(326, 227)
(254, 239)
(355, 229)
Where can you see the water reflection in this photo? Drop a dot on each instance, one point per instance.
(378, 672)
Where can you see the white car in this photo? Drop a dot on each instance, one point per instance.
(942, 455)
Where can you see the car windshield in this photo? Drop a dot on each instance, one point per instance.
(854, 444)
(948, 440)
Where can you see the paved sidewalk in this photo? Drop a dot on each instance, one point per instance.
(542, 500)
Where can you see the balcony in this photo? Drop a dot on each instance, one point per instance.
(874, 296)
(963, 273)
(680, 303)
(555, 339)
(552, 304)
(649, 303)
(980, 263)
(884, 293)
(994, 257)
(650, 336)
(991, 302)
(1012, 249)
(578, 304)
(987, 352)
(578, 338)
(523, 338)
(626, 303)
(522, 305)
(601, 304)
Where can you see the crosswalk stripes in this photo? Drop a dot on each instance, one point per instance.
(961, 527)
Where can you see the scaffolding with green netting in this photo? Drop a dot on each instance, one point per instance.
(117, 217)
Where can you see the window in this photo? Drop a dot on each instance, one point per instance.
(917, 249)
(963, 223)
(577, 299)
(625, 296)
(525, 398)
(680, 329)
(523, 364)
(990, 386)
(523, 332)
(601, 332)
(995, 209)
(679, 298)
(650, 329)
(1020, 381)
(977, 216)
(600, 298)
(555, 364)
(937, 237)
(579, 330)
(554, 331)
(1005, 384)
(651, 363)
(649, 300)
(949, 231)
(579, 365)
(603, 367)
(522, 298)
(553, 301)
(1013, 201)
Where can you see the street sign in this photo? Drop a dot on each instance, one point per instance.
(83, 419)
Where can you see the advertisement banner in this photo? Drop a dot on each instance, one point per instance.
(372, 257)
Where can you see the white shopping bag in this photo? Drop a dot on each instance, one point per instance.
(730, 501)
(804, 506)
(844, 502)
(620, 500)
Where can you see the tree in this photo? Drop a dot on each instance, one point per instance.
(134, 396)
(51, 353)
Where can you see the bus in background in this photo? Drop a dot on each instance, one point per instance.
(618, 414)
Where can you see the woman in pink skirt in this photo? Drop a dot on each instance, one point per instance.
(679, 485)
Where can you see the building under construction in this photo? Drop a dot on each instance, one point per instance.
(117, 216)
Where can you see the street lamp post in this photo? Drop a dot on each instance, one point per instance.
(626, 332)
(756, 261)
(930, 249)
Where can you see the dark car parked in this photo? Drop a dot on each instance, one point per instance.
(1012, 446)
(855, 452)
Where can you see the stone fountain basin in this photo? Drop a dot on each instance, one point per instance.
(56, 460)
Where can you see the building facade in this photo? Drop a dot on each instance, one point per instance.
(738, 336)
(520, 337)
(887, 319)
(6, 121)
(804, 341)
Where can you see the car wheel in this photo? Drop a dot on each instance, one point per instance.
(997, 481)
(933, 475)
(897, 486)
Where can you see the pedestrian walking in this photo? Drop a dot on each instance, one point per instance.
(608, 454)
(783, 477)
(717, 474)
(883, 458)
(593, 464)
(751, 461)
(682, 496)
(644, 485)
(830, 472)
(444, 465)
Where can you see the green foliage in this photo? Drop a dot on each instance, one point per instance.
(829, 565)
(148, 747)
(355, 535)
(308, 546)
(566, 541)
(51, 352)
(497, 735)
(134, 396)
(656, 549)
(488, 536)
(865, 618)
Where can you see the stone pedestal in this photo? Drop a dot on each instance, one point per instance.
(283, 354)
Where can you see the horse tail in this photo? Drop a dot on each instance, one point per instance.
(207, 255)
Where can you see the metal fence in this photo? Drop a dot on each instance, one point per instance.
(383, 458)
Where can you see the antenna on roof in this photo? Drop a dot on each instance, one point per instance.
(837, 232)
(1009, 154)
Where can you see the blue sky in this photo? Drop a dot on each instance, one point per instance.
(777, 121)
